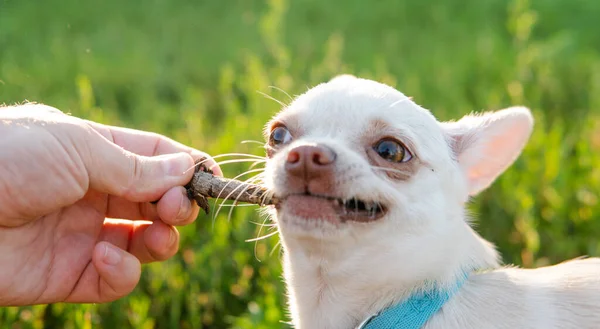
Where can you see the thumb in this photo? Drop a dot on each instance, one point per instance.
(119, 272)
(114, 170)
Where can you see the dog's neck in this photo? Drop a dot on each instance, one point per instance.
(335, 286)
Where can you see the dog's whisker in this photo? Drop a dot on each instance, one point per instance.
(199, 163)
(268, 225)
(283, 91)
(258, 234)
(278, 244)
(244, 184)
(231, 193)
(254, 162)
(240, 154)
(262, 237)
(240, 160)
(238, 176)
(235, 202)
(248, 181)
(239, 205)
(273, 99)
(252, 141)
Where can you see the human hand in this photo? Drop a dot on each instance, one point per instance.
(61, 178)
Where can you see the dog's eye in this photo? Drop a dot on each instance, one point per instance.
(392, 151)
(280, 135)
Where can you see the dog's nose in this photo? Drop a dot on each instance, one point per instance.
(310, 161)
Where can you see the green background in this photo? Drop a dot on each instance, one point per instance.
(193, 70)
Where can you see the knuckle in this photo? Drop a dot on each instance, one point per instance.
(159, 255)
(109, 293)
(134, 176)
(50, 109)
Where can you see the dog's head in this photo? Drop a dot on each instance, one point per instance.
(363, 169)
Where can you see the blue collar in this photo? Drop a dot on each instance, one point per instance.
(413, 312)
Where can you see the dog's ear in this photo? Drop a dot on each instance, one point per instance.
(486, 145)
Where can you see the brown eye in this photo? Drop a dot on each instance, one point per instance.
(392, 151)
(280, 135)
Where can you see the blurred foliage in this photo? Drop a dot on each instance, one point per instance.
(193, 70)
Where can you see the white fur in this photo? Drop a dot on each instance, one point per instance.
(339, 274)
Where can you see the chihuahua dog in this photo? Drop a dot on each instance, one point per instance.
(373, 223)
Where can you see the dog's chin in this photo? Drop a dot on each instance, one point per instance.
(325, 215)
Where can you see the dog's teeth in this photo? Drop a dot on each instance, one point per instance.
(357, 206)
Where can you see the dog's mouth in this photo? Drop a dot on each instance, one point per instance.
(357, 209)
(311, 206)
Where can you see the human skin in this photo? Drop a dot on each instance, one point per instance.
(76, 221)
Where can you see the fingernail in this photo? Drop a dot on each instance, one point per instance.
(177, 163)
(172, 236)
(184, 208)
(111, 256)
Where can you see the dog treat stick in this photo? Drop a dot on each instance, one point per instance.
(204, 184)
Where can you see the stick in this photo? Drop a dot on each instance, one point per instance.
(205, 184)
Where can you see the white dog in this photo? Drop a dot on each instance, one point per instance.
(373, 220)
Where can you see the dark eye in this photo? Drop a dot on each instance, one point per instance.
(280, 135)
(392, 151)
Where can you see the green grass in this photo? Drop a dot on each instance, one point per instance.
(191, 69)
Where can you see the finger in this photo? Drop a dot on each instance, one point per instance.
(151, 144)
(175, 208)
(38, 110)
(147, 241)
(155, 242)
(114, 170)
(118, 271)
(113, 273)
(118, 207)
